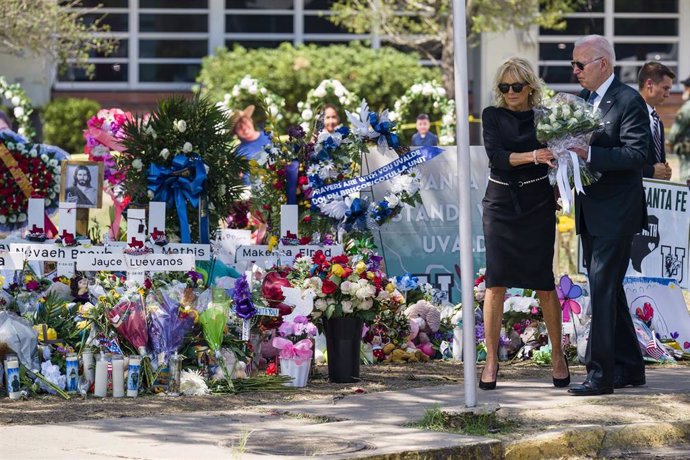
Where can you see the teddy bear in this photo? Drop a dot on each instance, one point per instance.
(428, 319)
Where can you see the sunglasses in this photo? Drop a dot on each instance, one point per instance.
(581, 65)
(517, 87)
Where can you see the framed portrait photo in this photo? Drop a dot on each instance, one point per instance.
(81, 182)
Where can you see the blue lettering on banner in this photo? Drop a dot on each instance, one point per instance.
(327, 193)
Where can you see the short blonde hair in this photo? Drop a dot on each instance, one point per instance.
(522, 71)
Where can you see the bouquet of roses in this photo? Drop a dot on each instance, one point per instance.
(563, 122)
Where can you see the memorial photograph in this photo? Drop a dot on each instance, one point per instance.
(82, 183)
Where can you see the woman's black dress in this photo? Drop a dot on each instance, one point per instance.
(519, 220)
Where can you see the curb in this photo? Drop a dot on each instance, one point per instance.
(596, 440)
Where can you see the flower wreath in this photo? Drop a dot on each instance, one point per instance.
(182, 154)
(37, 176)
(328, 91)
(289, 172)
(16, 96)
(431, 98)
(251, 91)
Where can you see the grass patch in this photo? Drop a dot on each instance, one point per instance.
(464, 423)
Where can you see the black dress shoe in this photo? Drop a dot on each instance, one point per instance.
(622, 381)
(590, 389)
(488, 385)
(565, 381)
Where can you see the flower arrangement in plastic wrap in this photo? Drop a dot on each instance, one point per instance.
(27, 171)
(295, 339)
(565, 121)
(168, 323)
(103, 137)
(344, 285)
(182, 154)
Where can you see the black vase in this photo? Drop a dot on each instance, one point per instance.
(343, 343)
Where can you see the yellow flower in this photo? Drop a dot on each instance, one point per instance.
(2, 280)
(390, 287)
(52, 335)
(565, 224)
(361, 267)
(272, 242)
(371, 275)
(82, 325)
(337, 270)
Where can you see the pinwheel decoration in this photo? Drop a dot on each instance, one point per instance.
(567, 293)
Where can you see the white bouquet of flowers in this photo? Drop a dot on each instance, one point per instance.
(565, 121)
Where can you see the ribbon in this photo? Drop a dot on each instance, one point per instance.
(300, 351)
(106, 139)
(291, 176)
(563, 179)
(327, 193)
(25, 186)
(183, 183)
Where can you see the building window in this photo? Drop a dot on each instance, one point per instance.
(639, 30)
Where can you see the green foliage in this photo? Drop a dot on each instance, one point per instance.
(189, 127)
(57, 30)
(382, 75)
(469, 423)
(64, 121)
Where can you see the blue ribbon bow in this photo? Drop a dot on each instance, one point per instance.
(181, 183)
(384, 128)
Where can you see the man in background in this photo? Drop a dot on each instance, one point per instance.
(654, 82)
(424, 138)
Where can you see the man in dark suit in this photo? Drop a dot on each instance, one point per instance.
(609, 214)
(655, 81)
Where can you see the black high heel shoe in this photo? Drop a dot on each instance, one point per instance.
(489, 385)
(565, 381)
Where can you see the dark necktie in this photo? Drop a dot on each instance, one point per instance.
(656, 136)
(592, 96)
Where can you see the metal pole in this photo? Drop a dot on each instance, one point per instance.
(465, 222)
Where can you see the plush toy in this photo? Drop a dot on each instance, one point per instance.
(427, 318)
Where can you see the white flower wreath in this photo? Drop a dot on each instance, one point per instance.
(251, 88)
(21, 106)
(327, 91)
(425, 93)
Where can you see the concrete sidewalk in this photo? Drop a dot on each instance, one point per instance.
(370, 426)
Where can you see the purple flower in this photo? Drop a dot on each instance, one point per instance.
(296, 132)
(194, 276)
(286, 329)
(300, 319)
(244, 307)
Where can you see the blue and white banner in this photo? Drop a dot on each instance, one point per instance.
(328, 193)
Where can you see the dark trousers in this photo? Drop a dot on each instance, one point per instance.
(612, 346)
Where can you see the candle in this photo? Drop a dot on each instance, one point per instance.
(175, 365)
(87, 362)
(118, 376)
(133, 376)
(101, 378)
(12, 377)
(72, 372)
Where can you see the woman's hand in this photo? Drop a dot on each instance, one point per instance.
(544, 156)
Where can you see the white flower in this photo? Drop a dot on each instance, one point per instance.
(8, 94)
(193, 384)
(180, 125)
(346, 287)
(307, 114)
(320, 304)
(319, 92)
(137, 164)
(347, 306)
(16, 100)
(252, 89)
(22, 217)
(366, 304)
(339, 91)
(47, 202)
(44, 157)
(19, 112)
(10, 145)
(13, 219)
(165, 153)
(53, 162)
(187, 147)
(392, 200)
(150, 194)
(401, 183)
(3, 220)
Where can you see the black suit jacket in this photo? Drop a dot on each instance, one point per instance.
(615, 205)
(648, 167)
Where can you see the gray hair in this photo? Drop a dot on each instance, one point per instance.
(600, 44)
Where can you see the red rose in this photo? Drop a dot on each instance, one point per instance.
(341, 259)
(319, 258)
(302, 180)
(271, 288)
(347, 272)
(305, 240)
(148, 284)
(328, 287)
(306, 219)
(272, 369)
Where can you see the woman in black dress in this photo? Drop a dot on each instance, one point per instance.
(519, 213)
